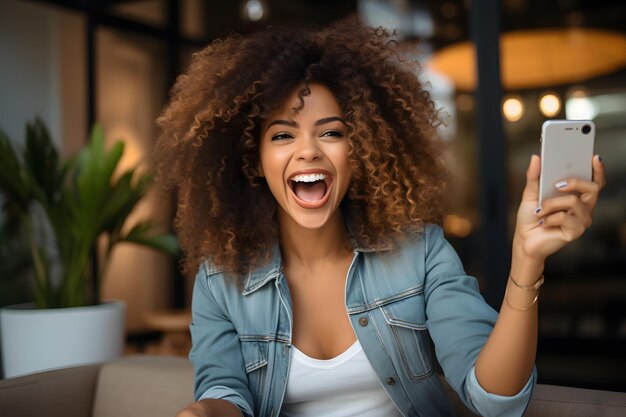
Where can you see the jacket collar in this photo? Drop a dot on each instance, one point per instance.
(262, 274)
(273, 268)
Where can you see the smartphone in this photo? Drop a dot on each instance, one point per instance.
(566, 152)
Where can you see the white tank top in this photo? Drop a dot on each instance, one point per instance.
(343, 386)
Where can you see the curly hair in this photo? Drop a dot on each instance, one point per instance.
(209, 143)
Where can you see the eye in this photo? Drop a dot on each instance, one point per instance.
(333, 133)
(282, 136)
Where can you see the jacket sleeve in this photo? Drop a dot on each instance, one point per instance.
(216, 352)
(489, 404)
(460, 322)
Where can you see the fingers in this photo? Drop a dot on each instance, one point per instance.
(566, 216)
(588, 190)
(598, 171)
(578, 185)
(532, 179)
(569, 205)
(570, 227)
(561, 219)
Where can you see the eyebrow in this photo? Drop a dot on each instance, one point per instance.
(282, 122)
(328, 120)
(317, 123)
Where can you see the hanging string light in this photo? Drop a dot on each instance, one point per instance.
(550, 104)
(513, 108)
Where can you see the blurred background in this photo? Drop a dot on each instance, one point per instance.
(75, 62)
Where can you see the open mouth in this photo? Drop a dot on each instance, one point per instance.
(310, 188)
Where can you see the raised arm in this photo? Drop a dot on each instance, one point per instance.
(505, 363)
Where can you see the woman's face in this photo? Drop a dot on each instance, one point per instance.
(304, 157)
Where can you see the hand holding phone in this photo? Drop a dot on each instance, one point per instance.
(541, 230)
(566, 152)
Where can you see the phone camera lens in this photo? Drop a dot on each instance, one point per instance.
(586, 129)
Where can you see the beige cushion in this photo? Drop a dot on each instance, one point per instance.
(58, 393)
(155, 386)
(159, 386)
(556, 401)
(552, 401)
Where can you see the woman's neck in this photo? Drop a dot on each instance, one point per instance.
(308, 247)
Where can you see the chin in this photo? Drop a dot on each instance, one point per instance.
(311, 222)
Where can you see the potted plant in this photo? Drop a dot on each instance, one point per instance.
(65, 208)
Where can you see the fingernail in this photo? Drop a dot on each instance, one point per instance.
(542, 221)
(560, 184)
(537, 210)
(600, 159)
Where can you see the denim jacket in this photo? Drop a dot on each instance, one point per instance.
(396, 300)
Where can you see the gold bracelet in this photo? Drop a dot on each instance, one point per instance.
(506, 300)
(534, 286)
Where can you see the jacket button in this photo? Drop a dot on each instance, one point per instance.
(391, 381)
(363, 321)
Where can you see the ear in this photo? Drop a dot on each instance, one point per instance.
(259, 170)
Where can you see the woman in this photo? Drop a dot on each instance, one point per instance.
(310, 185)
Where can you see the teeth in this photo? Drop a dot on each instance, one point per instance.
(308, 178)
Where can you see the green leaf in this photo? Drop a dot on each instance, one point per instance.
(123, 198)
(13, 182)
(82, 200)
(140, 234)
(92, 183)
(167, 243)
(41, 160)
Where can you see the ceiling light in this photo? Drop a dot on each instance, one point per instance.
(550, 104)
(580, 107)
(539, 58)
(513, 109)
(254, 10)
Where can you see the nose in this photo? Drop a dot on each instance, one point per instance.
(308, 150)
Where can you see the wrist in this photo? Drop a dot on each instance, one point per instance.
(525, 269)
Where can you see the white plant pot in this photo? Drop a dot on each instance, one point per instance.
(34, 340)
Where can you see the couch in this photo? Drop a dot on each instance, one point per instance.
(159, 386)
